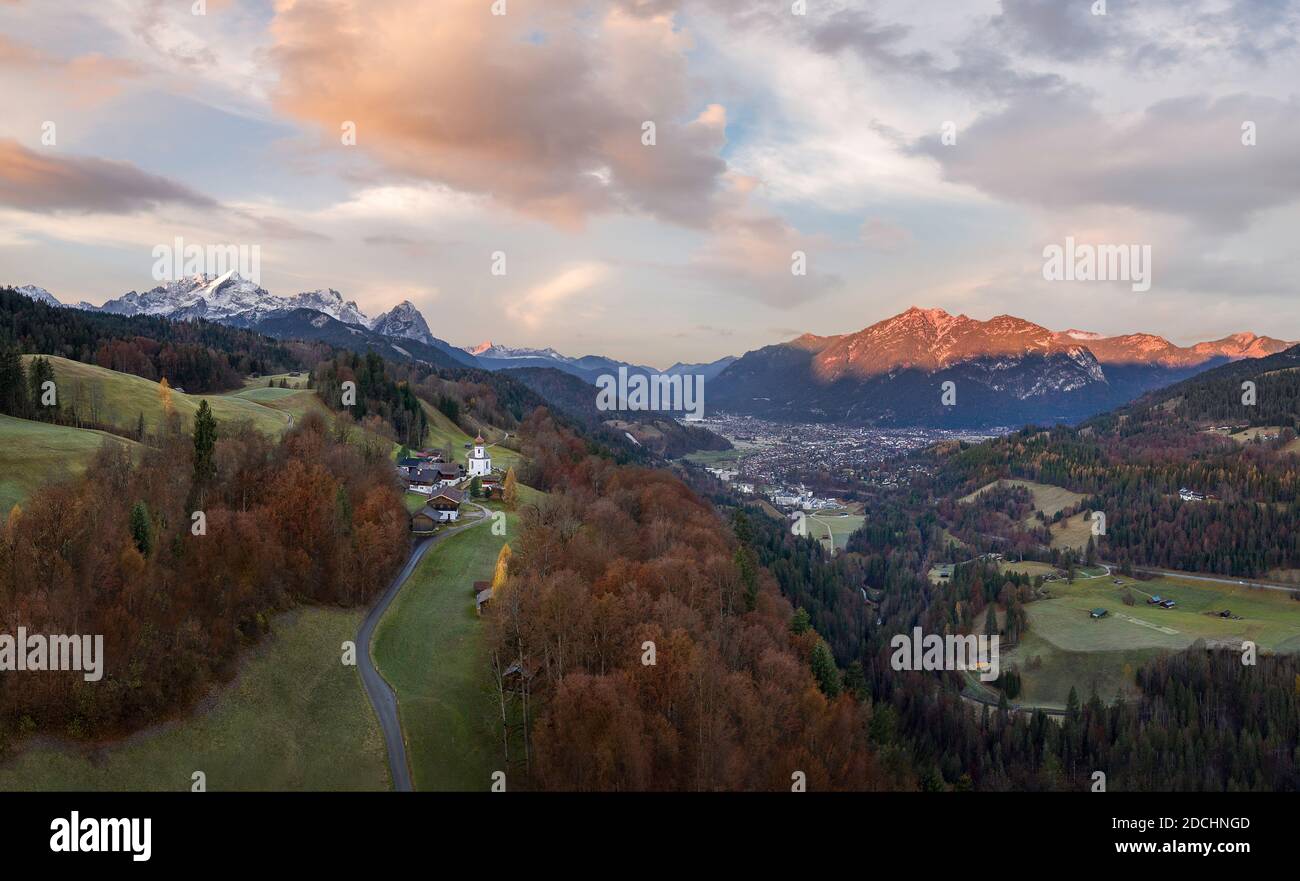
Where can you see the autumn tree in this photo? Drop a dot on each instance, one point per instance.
(165, 395)
(502, 570)
(510, 490)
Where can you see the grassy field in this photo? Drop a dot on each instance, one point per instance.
(1048, 672)
(265, 395)
(294, 718)
(834, 531)
(1072, 532)
(295, 382)
(713, 458)
(1075, 649)
(1048, 499)
(33, 453)
(119, 399)
(447, 435)
(430, 648)
(1027, 567)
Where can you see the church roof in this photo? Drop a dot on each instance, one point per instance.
(479, 439)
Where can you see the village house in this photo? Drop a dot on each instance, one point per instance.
(425, 477)
(445, 504)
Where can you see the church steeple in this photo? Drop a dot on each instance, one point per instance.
(480, 463)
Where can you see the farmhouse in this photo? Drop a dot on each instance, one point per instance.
(1098, 613)
(444, 504)
(427, 476)
(443, 507)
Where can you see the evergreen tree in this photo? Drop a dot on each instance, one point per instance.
(824, 670)
(343, 509)
(13, 383)
(747, 564)
(140, 528)
(855, 680)
(39, 373)
(205, 443)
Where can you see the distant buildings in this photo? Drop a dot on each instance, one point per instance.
(1189, 495)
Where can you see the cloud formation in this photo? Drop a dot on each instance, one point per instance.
(541, 109)
(49, 182)
(1183, 157)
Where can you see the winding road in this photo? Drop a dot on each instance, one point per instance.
(381, 694)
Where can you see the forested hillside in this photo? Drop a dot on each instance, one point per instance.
(196, 355)
(736, 693)
(122, 551)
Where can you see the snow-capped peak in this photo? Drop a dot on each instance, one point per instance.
(405, 321)
(330, 302)
(488, 349)
(39, 294)
(216, 298)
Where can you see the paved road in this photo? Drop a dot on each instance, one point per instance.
(378, 690)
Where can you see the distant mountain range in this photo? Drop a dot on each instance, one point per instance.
(1007, 370)
(587, 368)
(236, 301)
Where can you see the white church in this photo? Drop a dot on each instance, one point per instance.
(478, 462)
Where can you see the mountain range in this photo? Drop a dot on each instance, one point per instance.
(1006, 370)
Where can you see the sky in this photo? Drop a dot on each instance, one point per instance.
(913, 152)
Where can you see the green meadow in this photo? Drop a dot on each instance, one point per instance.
(832, 530)
(294, 718)
(430, 647)
(33, 453)
(121, 399)
(1066, 647)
